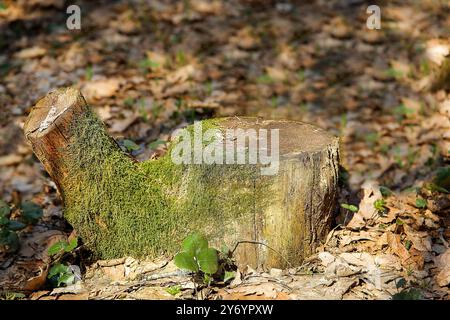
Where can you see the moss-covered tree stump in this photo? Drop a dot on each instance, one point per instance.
(122, 207)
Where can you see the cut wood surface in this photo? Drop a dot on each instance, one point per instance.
(121, 207)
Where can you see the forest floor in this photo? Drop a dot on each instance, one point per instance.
(149, 67)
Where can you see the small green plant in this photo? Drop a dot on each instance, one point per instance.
(442, 178)
(130, 145)
(229, 275)
(61, 274)
(421, 203)
(393, 73)
(407, 292)
(63, 247)
(380, 206)
(265, 79)
(408, 244)
(146, 64)
(301, 75)
(155, 144)
(180, 58)
(29, 214)
(173, 290)
(209, 88)
(349, 207)
(89, 73)
(371, 138)
(197, 257)
(3, 6)
(8, 295)
(403, 111)
(156, 110)
(385, 191)
(129, 102)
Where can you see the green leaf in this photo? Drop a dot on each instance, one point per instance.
(71, 245)
(385, 191)
(173, 290)
(156, 144)
(5, 210)
(12, 296)
(225, 250)
(66, 278)
(379, 205)
(9, 239)
(442, 178)
(57, 269)
(399, 222)
(61, 274)
(56, 248)
(130, 145)
(421, 203)
(434, 187)
(207, 260)
(229, 275)
(350, 207)
(31, 212)
(207, 279)
(4, 221)
(410, 294)
(16, 225)
(186, 261)
(194, 243)
(401, 283)
(408, 244)
(89, 73)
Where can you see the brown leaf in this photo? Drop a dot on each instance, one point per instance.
(98, 89)
(420, 240)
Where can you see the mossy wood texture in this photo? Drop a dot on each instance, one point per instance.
(122, 207)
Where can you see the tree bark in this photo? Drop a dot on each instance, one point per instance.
(122, 207)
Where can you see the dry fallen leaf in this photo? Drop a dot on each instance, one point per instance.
(31, 53)
(99, 89)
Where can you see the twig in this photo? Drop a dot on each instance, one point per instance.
(261, 243)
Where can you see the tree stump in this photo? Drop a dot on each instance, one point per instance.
(121, 207)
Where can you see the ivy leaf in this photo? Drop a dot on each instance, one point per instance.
(186, 261)
(57, 269)
(16, 225)
(194, 243)
(411, 294)
(4, 221)
(56, 248)
(350, 207)
(9, 239)
(207, 260)
(401, 283)
(61, 274)
(31, 212)
(5, 210)
(66, 278)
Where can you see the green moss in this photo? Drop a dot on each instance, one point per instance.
(121, 207)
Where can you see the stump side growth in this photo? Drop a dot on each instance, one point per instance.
(121, 207)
